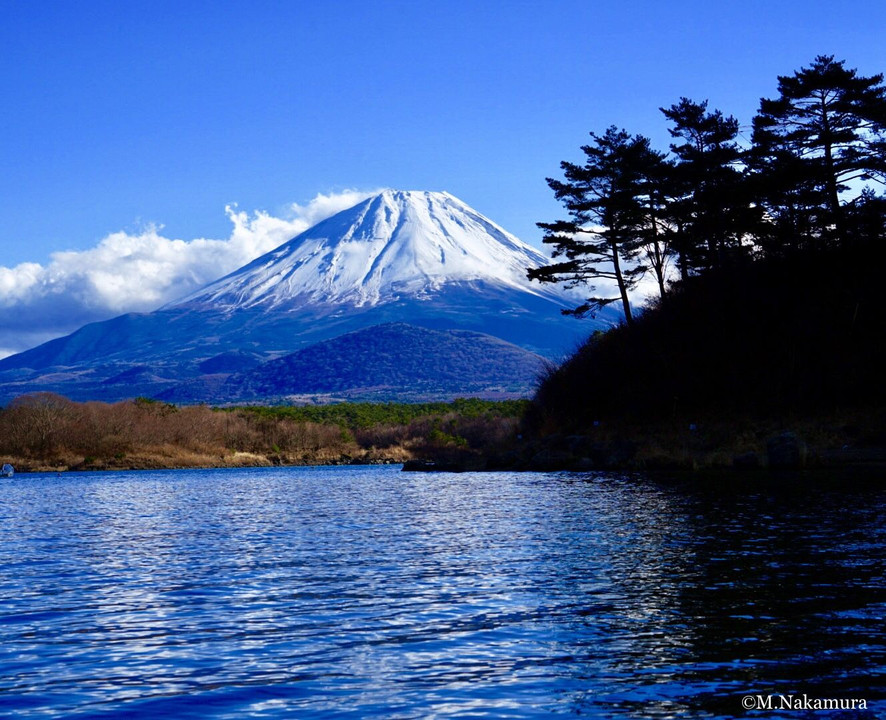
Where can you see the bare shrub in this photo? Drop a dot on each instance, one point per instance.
(382, 436)
(486, 432)
(37, 424)
(102, 430)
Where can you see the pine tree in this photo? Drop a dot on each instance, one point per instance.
(711, 210)
(819, 142)
(656, 193)
(609, 204)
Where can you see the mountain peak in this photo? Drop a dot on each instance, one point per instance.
(424, 258)
(396, 244)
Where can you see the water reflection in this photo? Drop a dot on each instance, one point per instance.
(358, 592)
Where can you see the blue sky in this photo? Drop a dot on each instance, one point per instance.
(121, 117)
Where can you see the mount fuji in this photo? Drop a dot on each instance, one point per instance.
(399, 259)
(393, 246)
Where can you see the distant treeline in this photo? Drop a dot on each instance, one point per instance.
(46, 431)
(358, 416)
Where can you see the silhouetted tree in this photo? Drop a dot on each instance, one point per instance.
(814, 341)
(656, 190)
(610, 204)
(866, 218)
(711, 211)
(824, 133)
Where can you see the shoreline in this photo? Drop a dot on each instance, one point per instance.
(850, 439)
(871, 459)
(255, 461)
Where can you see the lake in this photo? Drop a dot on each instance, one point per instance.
(353, 592)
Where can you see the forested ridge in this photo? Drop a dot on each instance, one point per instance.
(768, 252)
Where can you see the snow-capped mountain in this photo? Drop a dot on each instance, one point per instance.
(395, 245)
(424, 259)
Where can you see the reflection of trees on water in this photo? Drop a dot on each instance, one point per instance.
(725, 592)
(791, 588)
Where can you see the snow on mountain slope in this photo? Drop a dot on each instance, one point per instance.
(394, 245)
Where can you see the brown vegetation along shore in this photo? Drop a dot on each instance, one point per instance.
(47, 432)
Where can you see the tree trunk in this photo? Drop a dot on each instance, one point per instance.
(622, 287)
(656, 259)
(656, 253)
(833, 195)
(682, 260)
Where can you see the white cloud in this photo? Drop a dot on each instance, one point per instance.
(139, 272)
(324, 206)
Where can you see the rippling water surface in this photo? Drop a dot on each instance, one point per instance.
(361, 592)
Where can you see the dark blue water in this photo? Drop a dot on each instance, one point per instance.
(366, 592)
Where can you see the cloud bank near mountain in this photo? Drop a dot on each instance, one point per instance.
(139, 272)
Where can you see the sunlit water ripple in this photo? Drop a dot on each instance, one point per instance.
(359, 592)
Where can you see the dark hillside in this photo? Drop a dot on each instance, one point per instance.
(804, 334)
(397, 360)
